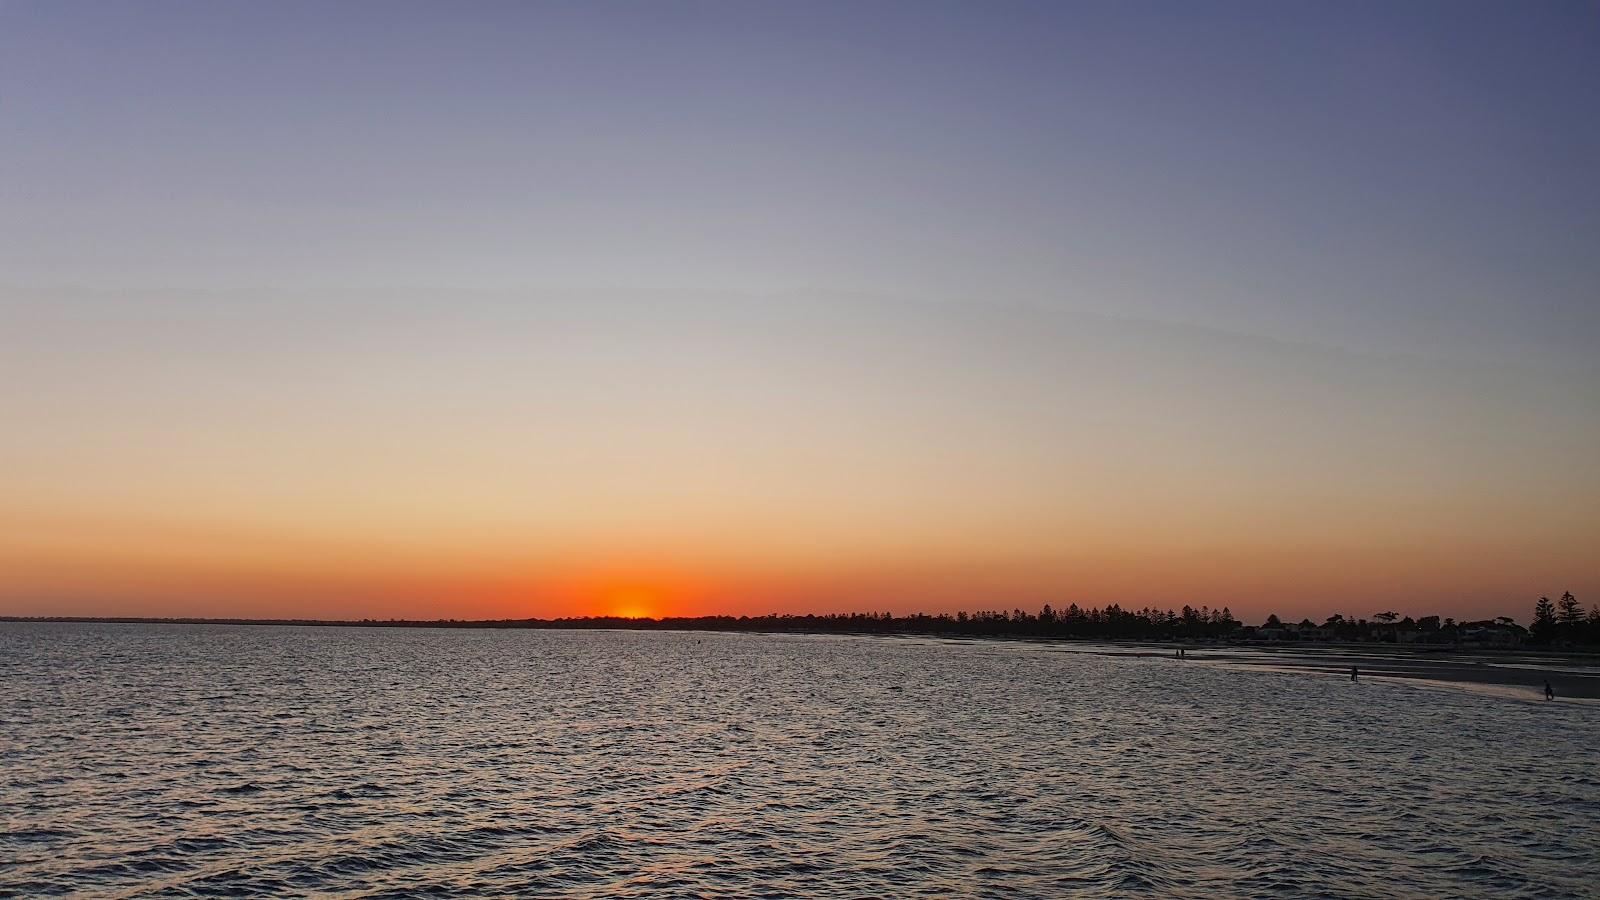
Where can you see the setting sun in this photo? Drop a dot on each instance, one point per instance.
(800, 449)
(632, 604)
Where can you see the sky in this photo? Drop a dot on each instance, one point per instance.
(538, 309)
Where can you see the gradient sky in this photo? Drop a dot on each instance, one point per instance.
(465, 310)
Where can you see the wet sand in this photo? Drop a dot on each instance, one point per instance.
(1507, 673)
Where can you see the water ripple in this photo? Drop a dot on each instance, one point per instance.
(218, 761)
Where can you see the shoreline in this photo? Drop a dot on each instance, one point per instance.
(735, 626)
(1511, 673)
(1505, 671)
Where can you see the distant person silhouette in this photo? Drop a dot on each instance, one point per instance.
(1549, 692)
(1353, 672)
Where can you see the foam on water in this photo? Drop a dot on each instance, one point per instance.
(207, 760)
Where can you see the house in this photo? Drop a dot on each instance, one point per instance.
(1486, 635)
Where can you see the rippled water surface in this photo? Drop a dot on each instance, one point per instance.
(375, 762)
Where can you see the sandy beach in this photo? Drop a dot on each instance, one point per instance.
(1507, 673)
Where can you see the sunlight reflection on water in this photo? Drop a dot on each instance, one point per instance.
(221, 759)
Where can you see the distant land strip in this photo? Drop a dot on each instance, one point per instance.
(1110, 624)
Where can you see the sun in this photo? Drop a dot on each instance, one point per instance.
(632, 604)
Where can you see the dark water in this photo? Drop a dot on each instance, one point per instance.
(182, 760)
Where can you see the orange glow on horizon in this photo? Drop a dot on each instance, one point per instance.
(632, 603)
(108, 566)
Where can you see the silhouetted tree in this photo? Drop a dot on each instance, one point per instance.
(1544, 619)
(1568, 610)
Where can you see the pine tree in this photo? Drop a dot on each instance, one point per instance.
(1568, 610)
(1544, 619)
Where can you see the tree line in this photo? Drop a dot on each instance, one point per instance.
(1559, 623)
(1564, 621)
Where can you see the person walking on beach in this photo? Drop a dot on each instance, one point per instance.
(1353, 671)
(1549, 692)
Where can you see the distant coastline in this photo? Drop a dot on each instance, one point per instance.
(1513, 671)
(1112, 626)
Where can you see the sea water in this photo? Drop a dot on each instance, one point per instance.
(183, 760)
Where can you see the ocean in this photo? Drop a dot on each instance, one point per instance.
(184, 760)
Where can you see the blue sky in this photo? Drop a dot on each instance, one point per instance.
(1397, 176)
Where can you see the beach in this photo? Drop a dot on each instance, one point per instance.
(1508, 673)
